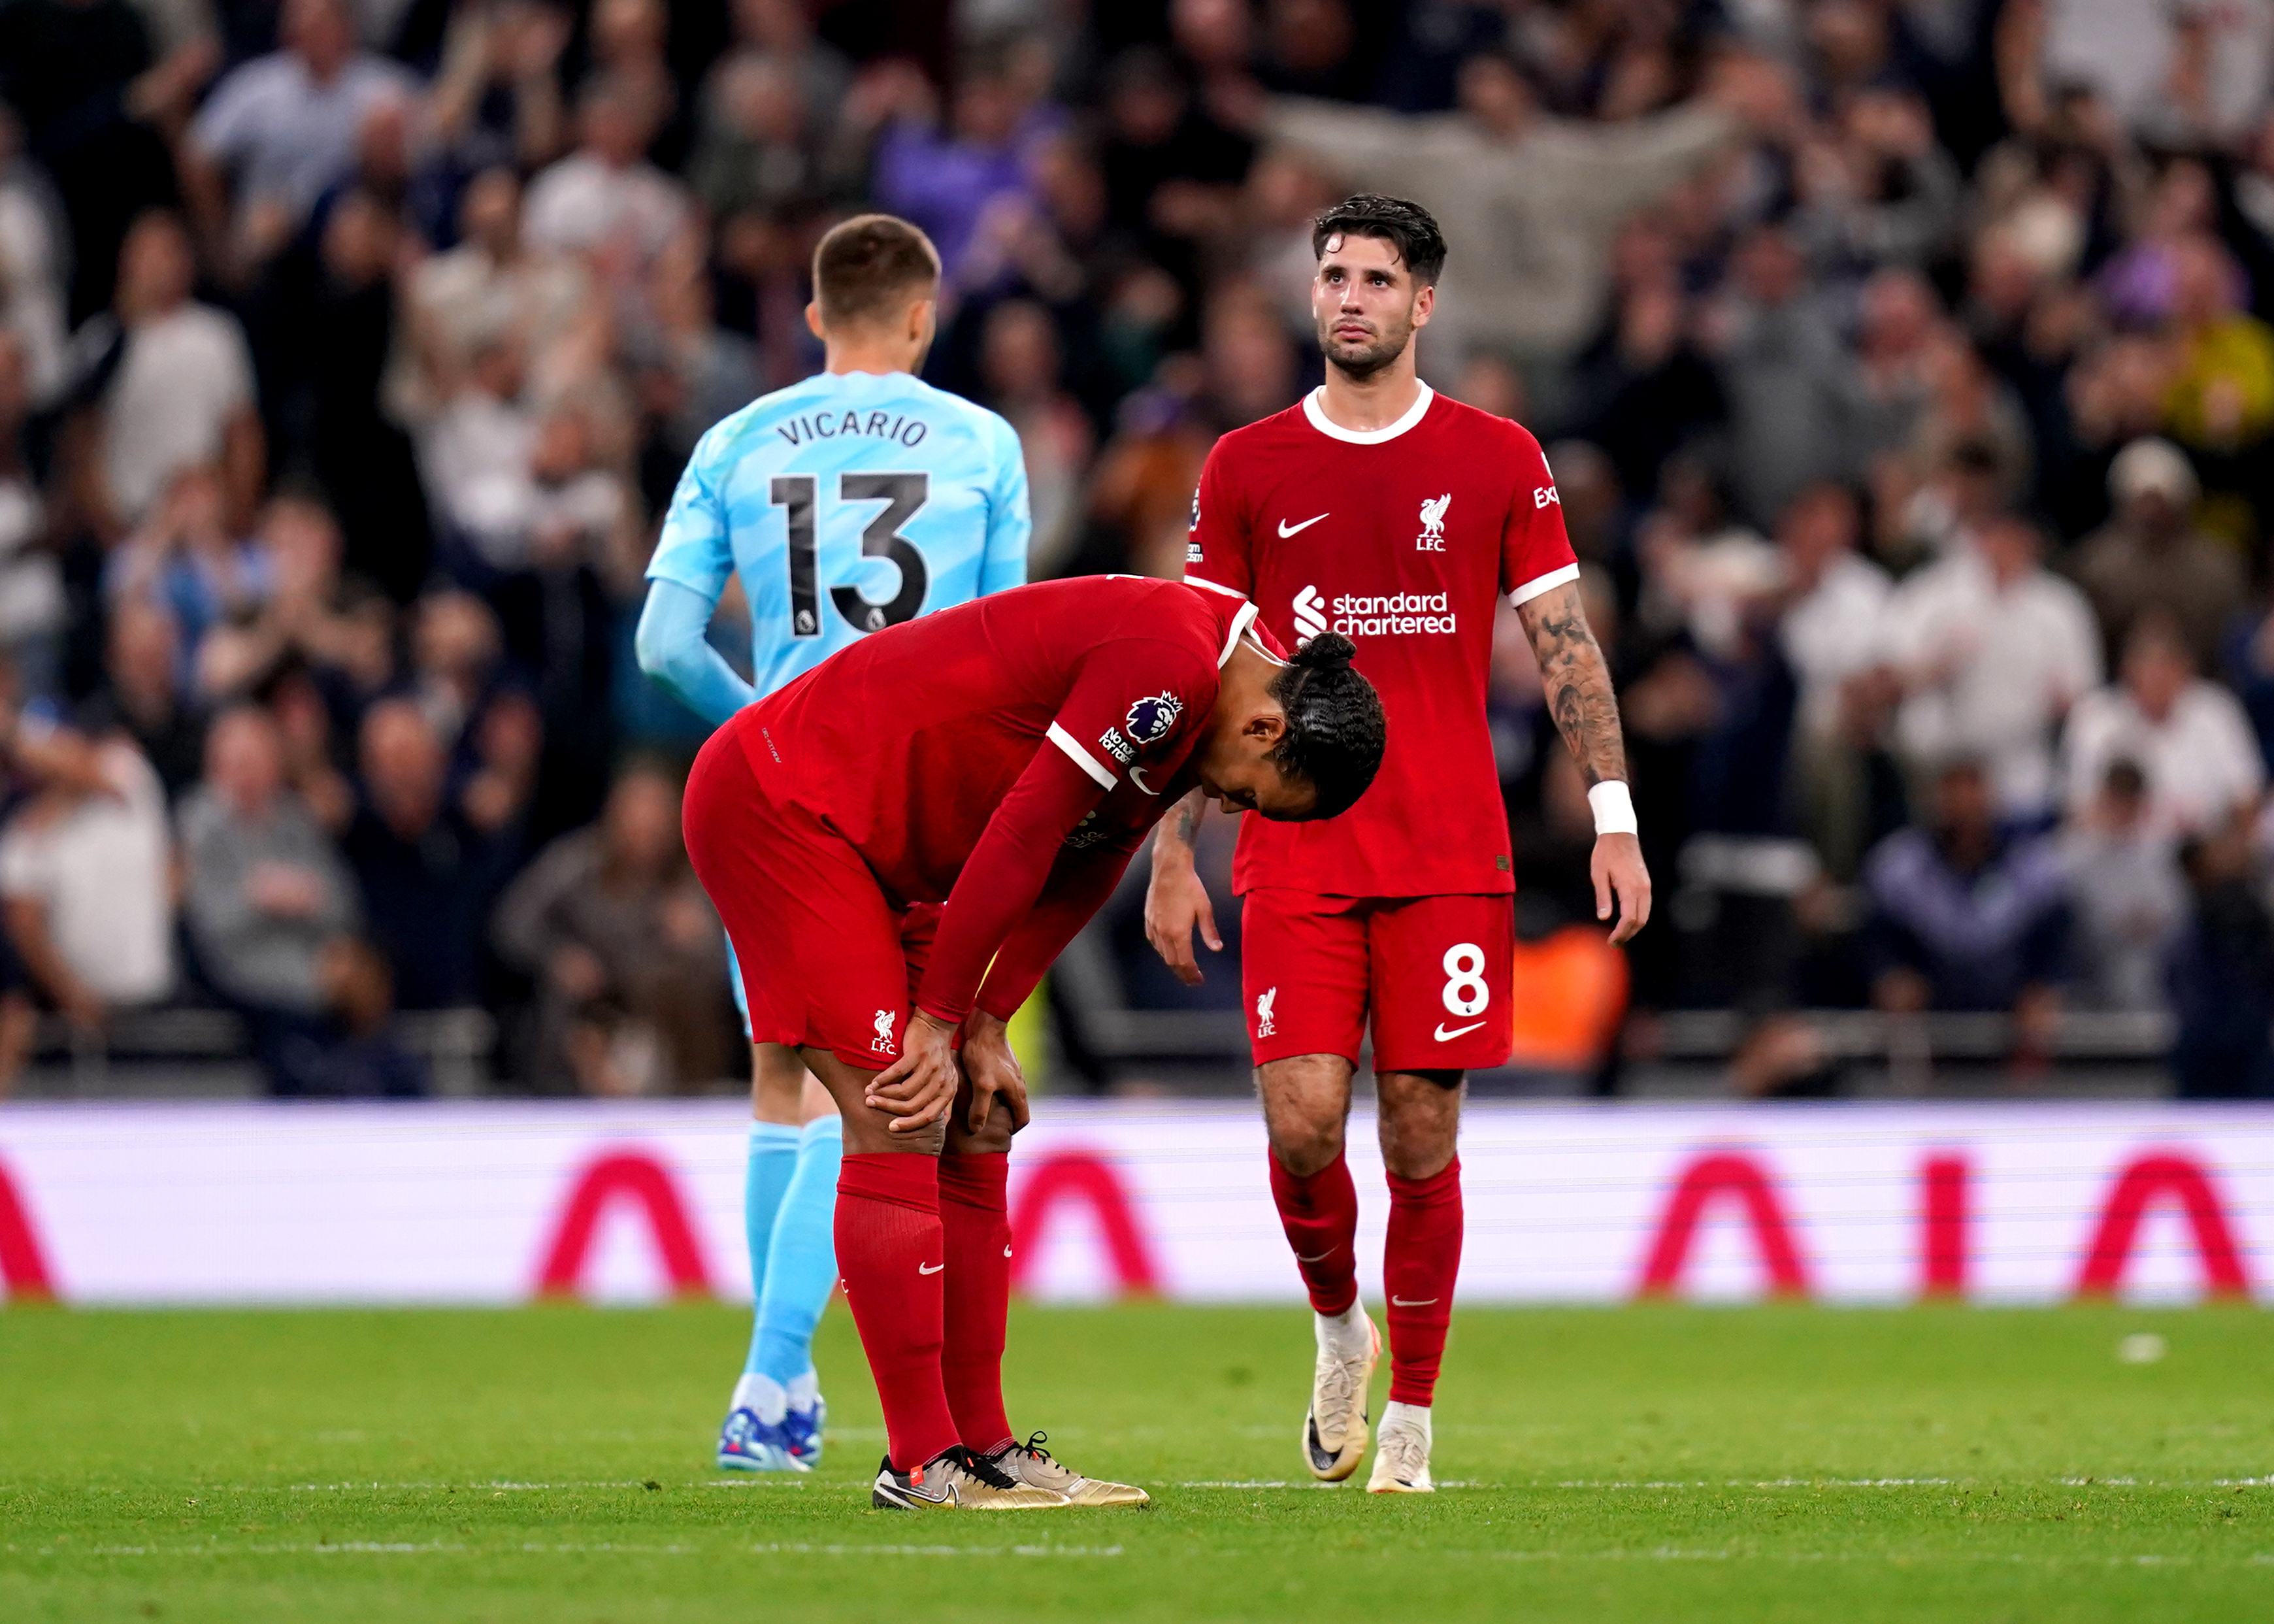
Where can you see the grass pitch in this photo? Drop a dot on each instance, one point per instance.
(1646, 1463)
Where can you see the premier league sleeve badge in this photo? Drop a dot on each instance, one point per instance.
(1152, 719)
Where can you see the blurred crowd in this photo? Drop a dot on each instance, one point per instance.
(1904, 365)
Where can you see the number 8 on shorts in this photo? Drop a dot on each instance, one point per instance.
(1466, 990)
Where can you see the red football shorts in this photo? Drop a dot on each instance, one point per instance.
(828, 962)
(1434, 974)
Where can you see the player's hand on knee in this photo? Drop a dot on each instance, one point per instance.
(1175, 903)
(1620, 875)
(992, 1065)
(917, 1089)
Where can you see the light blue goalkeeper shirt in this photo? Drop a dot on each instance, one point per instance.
(846, 503)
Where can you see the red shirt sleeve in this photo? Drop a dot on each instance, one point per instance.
(1535, 553)
(1135, 712)
(1079, 886)
(1216, 551)
(1141, 695)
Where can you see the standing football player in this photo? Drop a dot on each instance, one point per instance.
(853, 501)
(1386, 513)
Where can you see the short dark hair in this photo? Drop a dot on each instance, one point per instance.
(1335, 726)
(866, 267)
(1407, 227)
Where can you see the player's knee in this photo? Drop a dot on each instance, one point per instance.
(870, 1134)
(1306, 1100)
(992, 1137)
(1305, 1143)
(1420, 1121)
(1416, 1159)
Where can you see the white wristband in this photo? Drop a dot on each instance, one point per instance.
(1615, 812)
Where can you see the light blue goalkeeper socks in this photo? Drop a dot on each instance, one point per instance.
(773, 1161)
(801, 1260)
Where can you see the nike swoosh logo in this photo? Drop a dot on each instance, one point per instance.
(1007, 1251)
(1322, 1258)
(1286, 529)
(1411, 1302)
(1447, 1037)
(1137, 777)
(929, 1268)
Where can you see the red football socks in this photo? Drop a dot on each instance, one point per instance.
(1319, 1214)
(1420, 1258)
(893, 1257)
(974, 1216)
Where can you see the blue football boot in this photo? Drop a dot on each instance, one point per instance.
(801, 1431)
(747, 1444)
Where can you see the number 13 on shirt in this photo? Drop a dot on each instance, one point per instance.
(846, 504)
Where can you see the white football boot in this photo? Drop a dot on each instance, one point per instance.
(1036, 1467)
(1335, 1426)
(1401, 1452)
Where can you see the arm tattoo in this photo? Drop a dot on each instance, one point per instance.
(1184, 827)
(1578, 683)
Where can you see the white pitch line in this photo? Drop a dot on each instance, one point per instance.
(806, 1550)
(1770, 1483)
(1661, 1553)
(1283, 1483)
(346, 1547)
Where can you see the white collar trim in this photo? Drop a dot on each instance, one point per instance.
(1239, 623)
(1333, 430)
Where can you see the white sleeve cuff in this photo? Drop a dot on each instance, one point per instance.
(1539, 584)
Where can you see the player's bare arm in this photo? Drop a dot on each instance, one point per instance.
(1577, 682)
(1176, 902)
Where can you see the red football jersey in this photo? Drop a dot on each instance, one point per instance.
(1402, 538)
(917, 741)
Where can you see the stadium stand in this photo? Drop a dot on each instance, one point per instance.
(1905, 368)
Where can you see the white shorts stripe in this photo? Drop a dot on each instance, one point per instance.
(1081, 757)
(1539, 584)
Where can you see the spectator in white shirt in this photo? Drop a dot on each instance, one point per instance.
(2190, 737)
(283, 127)
(475, 454)
(33, 256)
(2183, 73)
(32, 603)
(1832, 632)
(86, 874)
(1836, 601)
(1991, 649)
(493, 285)
(605, 201)
(522, 489)
(181, 395)
(2127, 892)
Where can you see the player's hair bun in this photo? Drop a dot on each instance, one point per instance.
(1329, 651)
(1336, 729)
